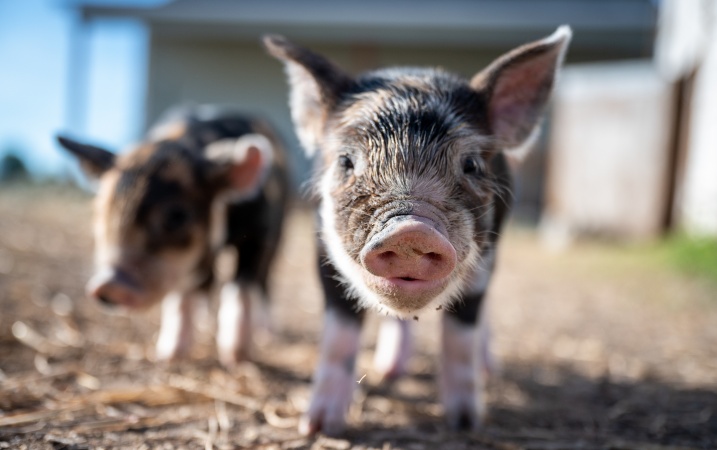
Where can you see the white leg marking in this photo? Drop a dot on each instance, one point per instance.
(334, 378)
(234, 323)
(176, 329)
(461, 381)
(393, 348)
(488, 364)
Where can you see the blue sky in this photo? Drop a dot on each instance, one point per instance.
(39, 96)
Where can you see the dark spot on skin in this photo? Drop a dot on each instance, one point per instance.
(166, 206)
(440, 307)
(415, 318)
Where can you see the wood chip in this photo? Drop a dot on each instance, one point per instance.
(36, 341)
(212, 392)
(157, 395)
(275, 420)
(35, 416)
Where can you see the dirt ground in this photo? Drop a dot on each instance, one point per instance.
(600, 348)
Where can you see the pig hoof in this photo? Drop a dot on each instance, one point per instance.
(330, 426)
(464, 417)
(169, 356)
(232, 357)
(390, 371)
(331, 399)
(463, 411)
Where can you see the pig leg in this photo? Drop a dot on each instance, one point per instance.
(334, 378)
(235, 317)
(234, 321)
(485, 332)
(393, 348)
(462, 371)
(176, 329)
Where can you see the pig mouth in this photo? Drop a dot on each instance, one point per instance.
(408, 263)
(395, 286)
(405, 294)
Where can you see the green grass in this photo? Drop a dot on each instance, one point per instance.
(691, 255)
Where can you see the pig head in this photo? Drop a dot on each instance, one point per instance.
(407, 178)
(159, 212)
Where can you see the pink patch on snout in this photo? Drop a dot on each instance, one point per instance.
(410, 256)
(115, 287)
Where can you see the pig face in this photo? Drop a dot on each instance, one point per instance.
(158, 213)
(405, 200)
(407, 193)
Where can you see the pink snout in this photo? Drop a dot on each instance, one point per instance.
(115, 287)
(409, 249)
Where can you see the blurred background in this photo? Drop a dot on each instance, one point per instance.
(629, 147)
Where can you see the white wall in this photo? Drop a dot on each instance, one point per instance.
(697, 207)
(607, 170)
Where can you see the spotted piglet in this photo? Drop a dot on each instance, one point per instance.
(202, 180)
(414, 189)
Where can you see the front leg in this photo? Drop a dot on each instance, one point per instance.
(393, 349)
(176, 331)
(234, 322)
(463, 365)
(334, 378)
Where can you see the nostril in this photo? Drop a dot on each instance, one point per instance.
(105, 300)
(387, 255)
(434, 256)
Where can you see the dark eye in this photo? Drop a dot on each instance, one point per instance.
(175, 218)
(346, 163)
(471, 166)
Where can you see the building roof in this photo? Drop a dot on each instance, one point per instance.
(415, 22)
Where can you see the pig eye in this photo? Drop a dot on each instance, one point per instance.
(346, 163)
(471, 166)
(175, 218)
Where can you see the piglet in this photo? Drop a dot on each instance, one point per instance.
(202, 180)
(414, 189)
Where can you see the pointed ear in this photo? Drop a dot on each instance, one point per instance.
(94, 160)
(518, 85)
(316, 86)
(242, 163)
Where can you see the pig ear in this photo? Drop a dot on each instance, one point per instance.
(243, 164)
(518, 85)
(316, 86)
(94, 160)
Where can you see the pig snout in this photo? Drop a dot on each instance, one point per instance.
(114, 287)
(409, 249)
(410, 261)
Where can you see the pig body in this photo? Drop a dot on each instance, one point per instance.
(414, 189)
(201, 181)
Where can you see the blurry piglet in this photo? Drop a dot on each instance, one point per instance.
(414, 189)
(203, 179)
